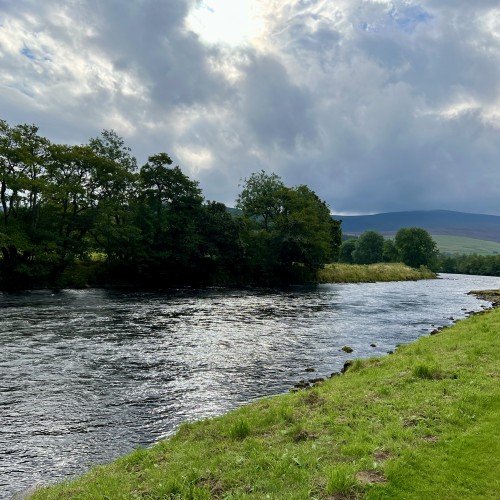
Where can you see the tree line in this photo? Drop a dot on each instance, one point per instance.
(484, 265)
(412, 246)
(88, 214)
(76, 215)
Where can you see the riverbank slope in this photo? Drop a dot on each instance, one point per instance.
(417, 424)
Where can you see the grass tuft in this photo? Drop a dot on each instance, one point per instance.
(341, 479)
(239, 430)
(426, 372)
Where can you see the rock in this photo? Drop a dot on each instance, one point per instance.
(348, 349)
(390, 352)
(316, 380)
(310, 370)
(346, 366)
(302, 384)
(373, 345)
(334, 374)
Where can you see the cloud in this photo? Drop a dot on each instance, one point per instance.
(377, 105)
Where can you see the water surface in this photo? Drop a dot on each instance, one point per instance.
(88, 375)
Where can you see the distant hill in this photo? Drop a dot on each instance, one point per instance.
(436, 222)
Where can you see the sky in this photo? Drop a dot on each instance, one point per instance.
(376, 105)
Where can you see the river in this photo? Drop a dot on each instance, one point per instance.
(89, 375)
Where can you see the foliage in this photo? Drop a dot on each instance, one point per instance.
(390, 429)
(357, 273)
(346, 250)
(62, 203)
(288, 232)
(485, 265)
(390, 252)
(416, 247)
(260, 198)
(369, 248)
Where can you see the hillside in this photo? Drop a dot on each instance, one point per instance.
(437, 222)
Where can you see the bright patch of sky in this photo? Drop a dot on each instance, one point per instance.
(228, 22)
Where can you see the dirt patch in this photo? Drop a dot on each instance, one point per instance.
(430, 439)
(303, 435)
(215, 487)
(413, 421)
(313, 399)
(371, 477)
(381, 455)
(342, 496)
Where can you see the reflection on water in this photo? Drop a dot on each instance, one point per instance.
(88, 375)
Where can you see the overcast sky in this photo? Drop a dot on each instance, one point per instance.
(376, 105)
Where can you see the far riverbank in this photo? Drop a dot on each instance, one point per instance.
(381, 272)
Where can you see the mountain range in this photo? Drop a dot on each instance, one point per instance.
(436, 222)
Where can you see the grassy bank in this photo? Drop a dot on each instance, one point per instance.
(421, 423)
(354, 273)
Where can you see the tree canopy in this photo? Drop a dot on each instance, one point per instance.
(289, 233)
(87, 214)
(416, 247)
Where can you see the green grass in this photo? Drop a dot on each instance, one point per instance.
(355, 273)
(464, 245)
(419, 424)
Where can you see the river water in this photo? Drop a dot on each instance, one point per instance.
(88, 375)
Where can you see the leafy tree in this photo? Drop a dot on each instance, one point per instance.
(390, 253)
(288, 233)
(221, 249)
(305, 228)
(112, 191)
(23, 154)
(175, 204)
(260, 198)
(416, 247)
(369, 248)
(346, 250)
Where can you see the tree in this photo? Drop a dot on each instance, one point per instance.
(220, 248)
(346, 250)
(288, 233)
(416, 247)
(175, 211)
(369, 248)
(305, 228)
(391, 253)
(260, 198)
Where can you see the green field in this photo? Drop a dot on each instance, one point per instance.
(420, 424)
(464, 245)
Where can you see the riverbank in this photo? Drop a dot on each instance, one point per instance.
(357, 273)
(417, 424)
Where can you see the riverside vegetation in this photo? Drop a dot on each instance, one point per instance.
(63, 205)
(418, 424)
(359, 273)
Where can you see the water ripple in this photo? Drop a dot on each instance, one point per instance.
(88, 375)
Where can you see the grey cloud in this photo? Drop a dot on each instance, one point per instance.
(377, 107)
(276, 110)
